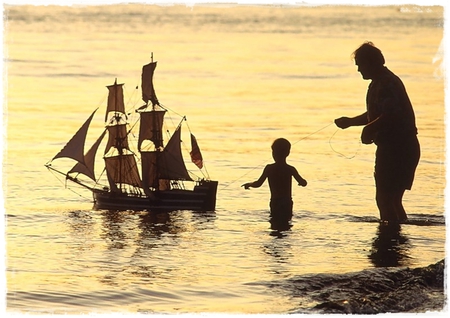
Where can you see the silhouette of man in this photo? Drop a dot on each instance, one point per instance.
(279, 175)
(389, 122)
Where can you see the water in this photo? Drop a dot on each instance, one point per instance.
(244, 76)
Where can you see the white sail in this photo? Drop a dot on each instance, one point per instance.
(74, 149)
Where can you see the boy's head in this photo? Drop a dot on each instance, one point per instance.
(281, 148)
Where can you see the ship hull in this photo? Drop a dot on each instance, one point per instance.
(201, 198)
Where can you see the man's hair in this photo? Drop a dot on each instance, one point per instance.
(369, 53)
(281, 147)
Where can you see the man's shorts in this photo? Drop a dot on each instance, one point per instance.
(395, 164)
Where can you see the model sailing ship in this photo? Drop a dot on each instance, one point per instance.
(146, 175)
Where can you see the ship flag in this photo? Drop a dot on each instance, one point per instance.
(196, 155)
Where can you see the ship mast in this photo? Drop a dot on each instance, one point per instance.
(156, 133)
(121, 167)
(118, 140)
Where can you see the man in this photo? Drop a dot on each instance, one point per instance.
(389, 122)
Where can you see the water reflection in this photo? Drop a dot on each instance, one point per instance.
(112, 229)
(280, 232)
(279, 248)
(81, 226)
(154, 225)
(140, 245)
(279, 227)
(390, 248)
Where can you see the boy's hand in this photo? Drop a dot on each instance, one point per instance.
(303, 183)
(246, 186)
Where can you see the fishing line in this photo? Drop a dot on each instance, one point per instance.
(326, 126)
(262, 164)
(340, 153)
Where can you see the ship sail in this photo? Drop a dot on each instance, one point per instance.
(122, 170)
(150, 178)
(115, 100)
(89, 160)
(74, 149)
(164, 163)
(148, 91)
(117, 137)
(160, 166)
(151, 128)
(172, 163)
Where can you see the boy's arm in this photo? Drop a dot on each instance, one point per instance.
(257, 183)
(302, 182)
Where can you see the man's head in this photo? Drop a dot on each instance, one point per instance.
(369, 60)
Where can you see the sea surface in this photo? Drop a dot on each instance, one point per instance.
(243, 76)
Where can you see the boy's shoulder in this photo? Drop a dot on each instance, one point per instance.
(278, 165)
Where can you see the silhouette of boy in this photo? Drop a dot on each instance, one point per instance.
(280, 176)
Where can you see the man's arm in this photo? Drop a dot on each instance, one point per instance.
(370, 130)
(345, 122)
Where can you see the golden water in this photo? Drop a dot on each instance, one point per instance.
(243, 76)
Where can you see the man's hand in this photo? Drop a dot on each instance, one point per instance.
(367, 135)
(343, 122)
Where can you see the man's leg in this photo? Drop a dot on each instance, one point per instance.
(399, 209)
(386, 206)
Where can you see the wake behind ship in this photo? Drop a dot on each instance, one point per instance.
(139, 173)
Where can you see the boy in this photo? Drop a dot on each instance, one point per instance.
(280, 176)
